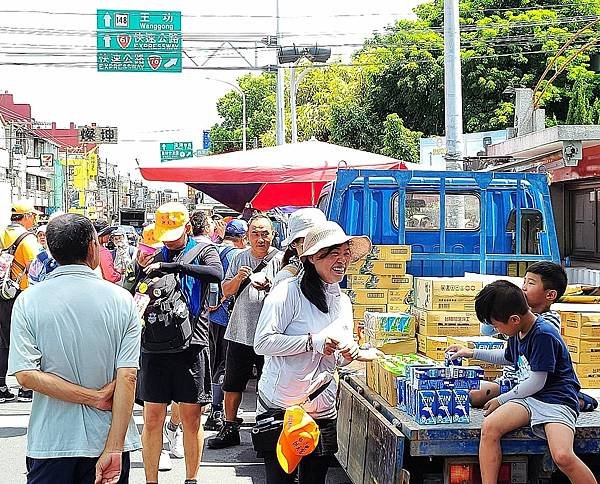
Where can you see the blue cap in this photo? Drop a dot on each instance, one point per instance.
(236, 227)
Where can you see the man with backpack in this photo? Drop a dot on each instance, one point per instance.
(234, 242)
(19, 247)
(174, 365)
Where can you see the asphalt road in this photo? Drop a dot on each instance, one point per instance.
(234, 465)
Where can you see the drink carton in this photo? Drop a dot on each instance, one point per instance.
(462, 407)
(401, 385)
(437, 384)
(445, 406)
(467, 383)
(466, 372)
(426, 411)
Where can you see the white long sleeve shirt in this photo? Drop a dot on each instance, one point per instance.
(292, 371)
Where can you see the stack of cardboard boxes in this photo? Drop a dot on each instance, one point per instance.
(444, 307)
(581, 332)
(379, 284)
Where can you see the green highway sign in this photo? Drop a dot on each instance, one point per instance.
(138, 62)
(176, 151)
(138, 41)
(145, 20)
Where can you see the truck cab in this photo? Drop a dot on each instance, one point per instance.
(456, 222)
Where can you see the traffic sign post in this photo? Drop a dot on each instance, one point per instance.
(176, 151)
(138, 41)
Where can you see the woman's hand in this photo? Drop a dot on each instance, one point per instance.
(349, 351)
(370, 354)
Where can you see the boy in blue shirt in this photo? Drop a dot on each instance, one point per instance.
(547, 396)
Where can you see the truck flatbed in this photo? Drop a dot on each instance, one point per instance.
(363, 414)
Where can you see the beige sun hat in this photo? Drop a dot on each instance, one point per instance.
(329, 234)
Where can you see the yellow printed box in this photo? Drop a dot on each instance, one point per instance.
(581, 325)
(400, 347)
(371, 281)
(428, 344)
(377, 267)
(399, 296)
(390, 252)
(360, 309)
(446, 294)
(367, 296)
(583, 350)
(448, 329)
(590, 370)
(398, 308)
(428, 317)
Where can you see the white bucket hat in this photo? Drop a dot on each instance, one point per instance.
(301, 221)
(330, 233)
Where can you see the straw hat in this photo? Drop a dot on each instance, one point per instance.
(330, 233)
(301, 221)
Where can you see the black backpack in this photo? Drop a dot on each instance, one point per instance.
(168, 325)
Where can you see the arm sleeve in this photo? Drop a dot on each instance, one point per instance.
(528, 387)
(210, 268)
(24, 353)
(495, 357)
(277, 313)
(128, 355)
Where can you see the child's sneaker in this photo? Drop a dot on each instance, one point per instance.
(25, 395)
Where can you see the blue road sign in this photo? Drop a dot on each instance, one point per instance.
(206, 141)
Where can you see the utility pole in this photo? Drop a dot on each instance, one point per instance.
(280, 120)
(452, 86)
(11, 161)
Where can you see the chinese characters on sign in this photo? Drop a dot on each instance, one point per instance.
(176, 151)
(98, 134)
(138, 41)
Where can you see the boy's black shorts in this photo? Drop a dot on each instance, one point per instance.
(175, 377)
(238, 366)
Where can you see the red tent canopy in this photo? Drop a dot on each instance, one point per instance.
(291, 174)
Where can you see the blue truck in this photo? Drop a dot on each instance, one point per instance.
(456, 222)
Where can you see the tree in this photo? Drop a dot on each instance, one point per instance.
(260, 113)
(399, 141)
(580, 111)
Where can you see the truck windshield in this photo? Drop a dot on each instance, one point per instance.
(463, 211)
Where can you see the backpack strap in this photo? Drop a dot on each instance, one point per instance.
(223, 256)
(12, 248)
(194, 252)
(257, 269)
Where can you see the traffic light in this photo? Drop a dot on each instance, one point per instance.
(288, 55)
(318, 54)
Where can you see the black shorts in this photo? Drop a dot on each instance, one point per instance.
(175, 377)
(238, 366)
(218, 349)
(5, 318)
(59, 470)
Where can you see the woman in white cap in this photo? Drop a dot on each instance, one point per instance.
(299, 223)
(305, 328)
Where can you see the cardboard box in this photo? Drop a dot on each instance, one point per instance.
(432, 346)
(590, 382)
(370, 281)
(589, 370)
(378, 267)
(399, 347)
(583, 350)
(580, 325)
(398, 308)
(389, 325)
(360, 309)
(390, 252)
(372, 375)
(446, 294)
(444, 323)
(367, 296)
(477, 342)
(388, 386)
(400, 296)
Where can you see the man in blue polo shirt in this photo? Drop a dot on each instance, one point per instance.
(75, 339)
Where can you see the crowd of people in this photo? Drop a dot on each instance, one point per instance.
(91, 325)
